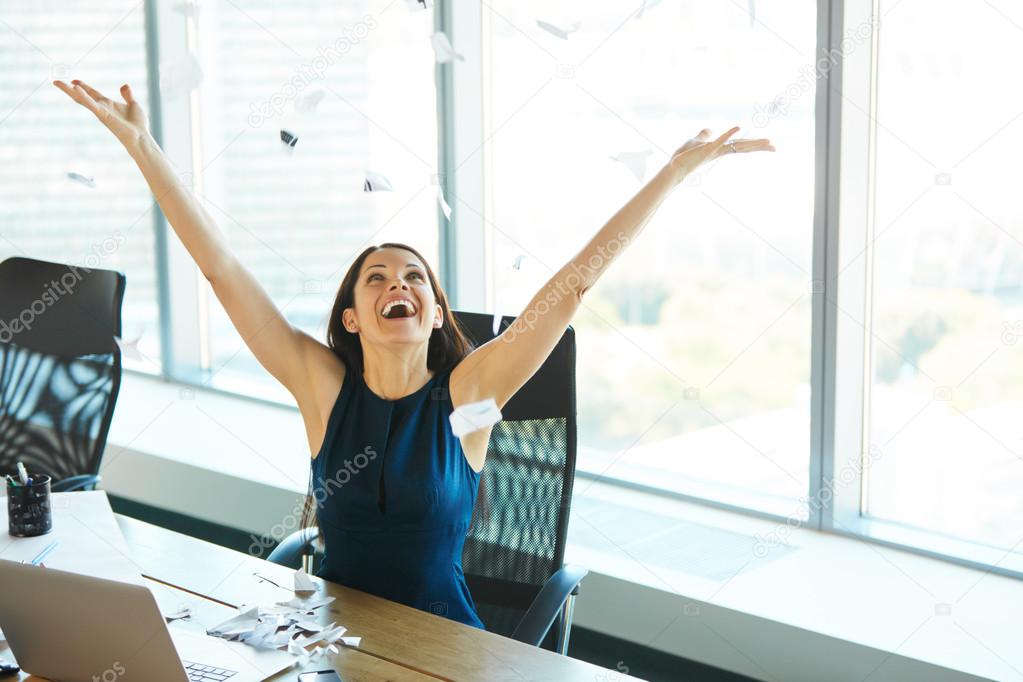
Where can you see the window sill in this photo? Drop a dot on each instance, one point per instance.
(821, 606)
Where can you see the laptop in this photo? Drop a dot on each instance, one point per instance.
(70, 627)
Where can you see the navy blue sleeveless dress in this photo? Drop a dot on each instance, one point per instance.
(394, 498)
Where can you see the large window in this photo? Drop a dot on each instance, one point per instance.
(946, 278)
(104, 218)
(694, 349)
(831, 333)
(355, 83)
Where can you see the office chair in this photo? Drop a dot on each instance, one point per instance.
(60, 369)
(514, 553)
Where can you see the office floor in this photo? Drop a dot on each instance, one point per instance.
(627, 658)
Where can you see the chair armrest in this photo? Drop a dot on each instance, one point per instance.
(545, 607)
(292, 548)
(80, 482)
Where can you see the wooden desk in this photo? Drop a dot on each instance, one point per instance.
(398, 642)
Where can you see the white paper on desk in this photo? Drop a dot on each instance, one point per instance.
(243, 622)
(90, 541)
(329, 635)
(303, 583)
(351, 641)
(474, 416)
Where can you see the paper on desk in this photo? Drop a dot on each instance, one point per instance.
(89, 540)
(474, 416)
(303, 583)
(306, 604)
(243, 622)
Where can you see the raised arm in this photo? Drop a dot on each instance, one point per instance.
(500, 367)
(284, 351)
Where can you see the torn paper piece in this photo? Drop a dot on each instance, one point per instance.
(351, 641)
(129, 348)
(242, 622)
(443, 204)
(634, 161)
(79, 178)
(295, 649)
(306, 604)
(558, 31)
(288, 138)
(497, 323)
(180, 77)
(518, 261)
(474, 416)
(181, 613)
(329, 635)
(752, 13)
(303, 583)
(308, 101)
(443, 49)
(375, 182)
(415, 5)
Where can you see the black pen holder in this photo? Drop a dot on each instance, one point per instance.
(28, 507)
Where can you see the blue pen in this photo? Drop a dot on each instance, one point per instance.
(42, 555)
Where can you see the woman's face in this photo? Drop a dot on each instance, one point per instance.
(387, 275)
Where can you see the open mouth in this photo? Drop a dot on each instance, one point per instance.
(401, 308)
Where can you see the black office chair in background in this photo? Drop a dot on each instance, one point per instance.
(514, 553)
(60, 369)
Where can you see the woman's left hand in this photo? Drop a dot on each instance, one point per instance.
(701, 149)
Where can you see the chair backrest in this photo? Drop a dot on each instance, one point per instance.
(520, 523)
(60, 369)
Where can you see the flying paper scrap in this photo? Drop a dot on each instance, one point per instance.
(634, 161)
(376, 183)
(558, 31)
(443, 49)
(474, 416)
(309, 101)
(179, 77)
(129, 348)
(414, 5)
(78, 177)
(443, 204)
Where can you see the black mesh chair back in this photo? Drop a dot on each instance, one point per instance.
(516, 540)
(60, 369)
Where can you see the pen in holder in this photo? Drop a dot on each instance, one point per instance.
(28, 507)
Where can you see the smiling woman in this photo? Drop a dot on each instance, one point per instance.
(395, 366)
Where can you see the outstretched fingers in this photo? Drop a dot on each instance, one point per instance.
(95, 94)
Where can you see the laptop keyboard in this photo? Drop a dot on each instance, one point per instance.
(206, 673)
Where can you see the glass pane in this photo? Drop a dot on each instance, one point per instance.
(945, 397)
(694, 349)
(104, 219)
(355, 83)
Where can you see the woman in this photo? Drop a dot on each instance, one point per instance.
(394, 487)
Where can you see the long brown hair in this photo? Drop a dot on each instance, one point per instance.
(448, 344)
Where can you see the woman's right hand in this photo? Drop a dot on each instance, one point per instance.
(126, 121)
